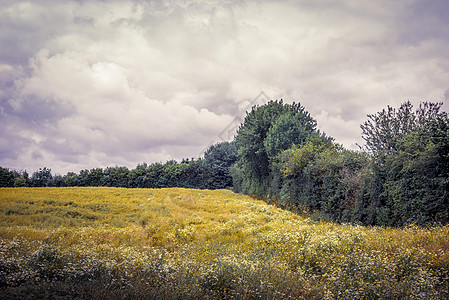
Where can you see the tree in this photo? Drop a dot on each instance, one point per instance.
(383, 130)
(58, 181)
(411, 164)
(416, 177)
(19, 182)
(6, 178)
(71, 179)
(115, 177)
(298, 186)
(287, 130)
(194, 174)
(253, 172)
(94, 177)
(323, 177)
(139, 177)
(218, 159)
(41, 178)
(20, 178)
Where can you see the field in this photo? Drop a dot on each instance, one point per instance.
(110, 243)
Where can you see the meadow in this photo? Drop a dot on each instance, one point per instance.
(174, 243)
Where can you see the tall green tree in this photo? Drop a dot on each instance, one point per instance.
(383, 131)
(410, 149)
(41, 178)
(265, 132)
(324, 178)
(115, 177)
(218, 159)
(6, 178)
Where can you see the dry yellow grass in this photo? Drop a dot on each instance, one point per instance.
(217, 244)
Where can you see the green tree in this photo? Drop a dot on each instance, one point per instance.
(324, 178)
(416, 179)
(410, 151)
(58, 181)
(70, 179)
(139, 176)
(116, 177)
(287, 130)
(218, 159)
(253, 172)
(6, 178)
(20, 178)
(195, 175)
(94, 177)
(41, 178)
(298, 188)
(383, 130)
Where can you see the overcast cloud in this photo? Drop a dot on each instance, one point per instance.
(87, 84)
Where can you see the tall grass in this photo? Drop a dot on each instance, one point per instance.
(107, 243)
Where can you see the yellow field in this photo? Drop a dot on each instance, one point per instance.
(200, 244)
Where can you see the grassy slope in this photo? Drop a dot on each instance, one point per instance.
(181, 243)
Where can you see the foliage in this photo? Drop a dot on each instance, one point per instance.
(402, 178)
(218, 159)
(6, 178)
(415, 179)
(211, 173)
(410, 151)
(198, 244)
(324, 177)
(265, 132)
(383, 131)
(115, 177)
(43, 177)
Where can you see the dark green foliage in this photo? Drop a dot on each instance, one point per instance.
(324, 178)
(287, 130)
(265, 132)
(416, 179)
(212, 172)
(19, 182)
(403, 177)
(218, 159)
(71, 179)
(93, 177)
(115, 177)
(43, 177)
(6, 178)
(188, 174)
(384, 130)
(410, 151)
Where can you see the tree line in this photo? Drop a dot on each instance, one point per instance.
(209, 172)
(400, 176)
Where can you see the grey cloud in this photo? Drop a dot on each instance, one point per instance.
(37, 155)
(25, 29)
(11, 144)
(424, 20)
(102, 83)
(34, 110)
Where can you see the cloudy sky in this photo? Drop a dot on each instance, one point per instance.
(87, 84)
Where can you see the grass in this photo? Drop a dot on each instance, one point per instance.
(108, 243)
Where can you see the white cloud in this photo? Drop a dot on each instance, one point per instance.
(107, 115)
(344, 130)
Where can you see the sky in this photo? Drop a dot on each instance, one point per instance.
(98, 83)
